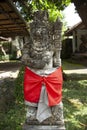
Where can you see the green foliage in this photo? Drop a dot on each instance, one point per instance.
(60, 4)
(75, 104)
(19, 86)
(14, 118)
(54, 7)
(54, 14)
(4, 58)
(7, 47)
(13, 55)
(70, 64)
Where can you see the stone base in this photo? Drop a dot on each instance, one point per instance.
(42, 127)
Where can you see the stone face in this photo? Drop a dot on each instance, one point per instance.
(44, 43)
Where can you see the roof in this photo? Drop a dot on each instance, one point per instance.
(69, 31)
(81, 7)
(3, 39)
(11, 22)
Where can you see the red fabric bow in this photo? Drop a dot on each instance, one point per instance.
(33, 84)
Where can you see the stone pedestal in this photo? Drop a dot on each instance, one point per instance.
(42, 127)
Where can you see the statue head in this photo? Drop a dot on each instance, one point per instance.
(39, 31)
(41, 16)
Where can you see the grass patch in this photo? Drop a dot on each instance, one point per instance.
(75, 104)
(14, 118)
(71, 65)
(74, 100)
(76, 76)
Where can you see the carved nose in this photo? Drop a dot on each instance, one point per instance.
(38, 32)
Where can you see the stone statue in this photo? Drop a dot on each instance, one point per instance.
(41, 56)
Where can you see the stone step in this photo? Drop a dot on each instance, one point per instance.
(42, 127)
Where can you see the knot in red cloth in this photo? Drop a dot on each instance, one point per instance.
(43, 80)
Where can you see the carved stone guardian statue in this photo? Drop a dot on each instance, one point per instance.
(43, 75)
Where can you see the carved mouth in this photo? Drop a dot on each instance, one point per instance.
(40, 48)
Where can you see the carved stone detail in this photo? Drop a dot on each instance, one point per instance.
(42, 52)
(44, 42)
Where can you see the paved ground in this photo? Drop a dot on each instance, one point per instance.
(10, 73)
(12, 70)
(77, 71)
(9, 69)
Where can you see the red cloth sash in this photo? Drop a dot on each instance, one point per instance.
(33, 84)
